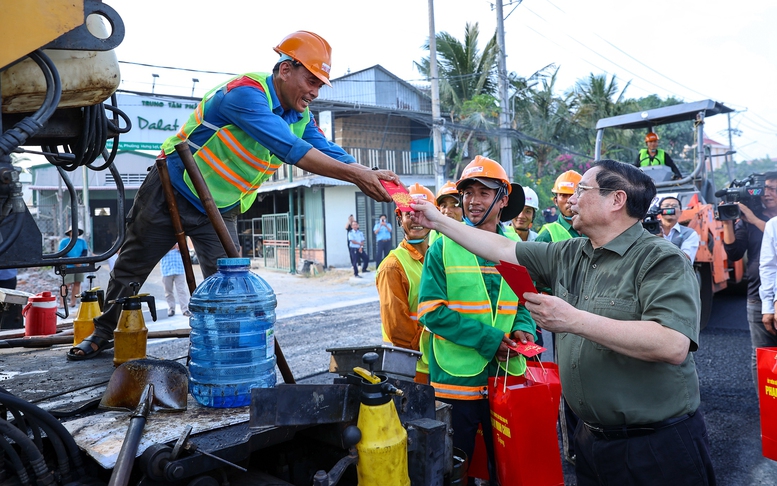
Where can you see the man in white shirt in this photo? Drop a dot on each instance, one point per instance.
(356, 246)
(768, 273)
(683, 237)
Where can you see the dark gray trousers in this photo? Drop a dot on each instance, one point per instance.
(149, 236)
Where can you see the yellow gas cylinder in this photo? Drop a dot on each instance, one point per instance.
(383, 445)
(131, 334)
(91, 307)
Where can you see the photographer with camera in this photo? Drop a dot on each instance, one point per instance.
(683, 237)
(746, 236)
(382, 230)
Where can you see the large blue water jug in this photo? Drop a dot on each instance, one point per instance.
(232, 341)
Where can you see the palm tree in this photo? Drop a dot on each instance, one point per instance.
(595, 98)
(468, 85)
(545, 116)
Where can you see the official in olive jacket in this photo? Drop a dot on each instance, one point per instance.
(625, 306)
(472, 313)
(239, 134)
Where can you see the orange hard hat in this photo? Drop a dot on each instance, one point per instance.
(484, 168)
(311, 50)
(651, 137)
(417, 191)
(566, 183)
(448, 189)
(492, 175)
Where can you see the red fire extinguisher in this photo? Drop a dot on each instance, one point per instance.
(40, 315)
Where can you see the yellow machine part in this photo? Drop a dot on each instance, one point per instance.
(383, 447)
(26, 25)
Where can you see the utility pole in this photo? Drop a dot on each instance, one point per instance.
(505, 144)
(439, 155)
(730, 148)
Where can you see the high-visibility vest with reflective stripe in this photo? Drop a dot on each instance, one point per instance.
(645, 161)
(557, 232)
(412, 268)
(468, 295)
(232, 162)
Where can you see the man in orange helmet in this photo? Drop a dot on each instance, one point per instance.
(469, 309)
(449, 201)
(562, 229)
(239, 134)
(398, 278)
(652, 156)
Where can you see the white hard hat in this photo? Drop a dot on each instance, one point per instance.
(531, 198)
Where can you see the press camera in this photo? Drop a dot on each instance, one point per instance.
(748, 191)
(651, 221)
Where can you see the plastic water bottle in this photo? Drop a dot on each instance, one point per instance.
(232, 340)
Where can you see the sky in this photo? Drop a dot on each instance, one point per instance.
(689, 49)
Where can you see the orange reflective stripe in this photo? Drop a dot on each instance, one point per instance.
(182, 135)
(231, 142)
(470, 307)
(458, 392)
(430, 305)
(224, 171)
(492, 270)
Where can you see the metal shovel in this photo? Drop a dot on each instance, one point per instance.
(123, 468)
(128, 382)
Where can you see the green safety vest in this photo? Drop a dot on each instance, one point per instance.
(231, 161)
(557, 232)
(467, 295)
(412, 270)
(644, 158)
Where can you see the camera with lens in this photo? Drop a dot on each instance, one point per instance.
(748, 191)
(651, 222)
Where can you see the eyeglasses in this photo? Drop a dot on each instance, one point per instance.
(581, 188)
(772, 189)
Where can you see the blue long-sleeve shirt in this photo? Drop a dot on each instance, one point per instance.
(245, 105)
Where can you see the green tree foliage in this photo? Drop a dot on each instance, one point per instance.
(468, 84)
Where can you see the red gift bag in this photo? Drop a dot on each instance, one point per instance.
(524, 411)
(767, 396)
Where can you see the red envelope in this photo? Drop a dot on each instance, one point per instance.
(517, 277)
(528, 349)
(399, 194)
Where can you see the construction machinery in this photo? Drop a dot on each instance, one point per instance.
(695, 191)
(58, 73)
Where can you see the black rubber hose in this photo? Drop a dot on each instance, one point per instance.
(34, 411)
(16, 461)
(20, 421)
(28, 447)
(63, 461)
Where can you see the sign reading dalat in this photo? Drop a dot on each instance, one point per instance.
(154, 119)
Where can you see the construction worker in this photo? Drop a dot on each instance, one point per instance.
(562, 229)
(449, 201)
(398, 278)
(240, 133)
(472, 313)
(522, 224)
(652, 156)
